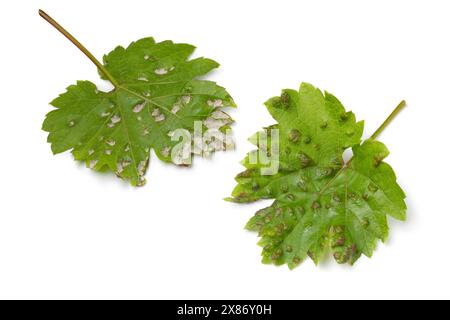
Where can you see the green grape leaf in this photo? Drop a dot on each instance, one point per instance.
(157, 93)
(322, 205)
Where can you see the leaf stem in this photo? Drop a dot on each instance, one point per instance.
(72, 39)
(391, 117)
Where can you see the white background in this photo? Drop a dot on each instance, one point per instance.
(67, 232)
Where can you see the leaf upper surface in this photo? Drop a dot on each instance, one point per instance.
(158, 92)
(321, 205)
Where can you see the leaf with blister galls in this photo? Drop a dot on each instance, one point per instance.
(321, 204)
(157, 91)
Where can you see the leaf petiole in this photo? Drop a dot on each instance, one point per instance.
(83, 49)
(391, 117)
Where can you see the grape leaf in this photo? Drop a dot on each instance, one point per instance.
(322, 204)
(157, 91)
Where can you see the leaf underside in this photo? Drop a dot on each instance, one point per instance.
(158, 92)
(321, 204)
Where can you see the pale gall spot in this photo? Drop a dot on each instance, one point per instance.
(92, 164)
(170, 134)
(218, 103)
(156, 112)
(161, 71)
(119, 168)
(165, 152)
(141, 182)
(220, 115)
(215, 103)
(186, 99)
(176, 107)
(157, 115)
(141, 168)
(115, 119)
(139, 107)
